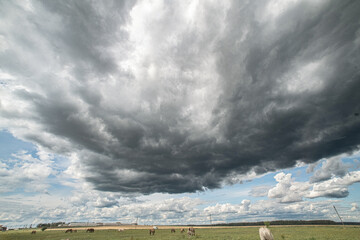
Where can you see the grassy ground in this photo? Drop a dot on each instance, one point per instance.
(236, 233)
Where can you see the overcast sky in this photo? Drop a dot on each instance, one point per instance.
(173, 110)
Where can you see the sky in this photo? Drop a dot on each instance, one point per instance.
(170, 112)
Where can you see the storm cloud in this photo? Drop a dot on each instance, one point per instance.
(153, 96)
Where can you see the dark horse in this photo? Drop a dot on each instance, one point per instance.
(33, 232)
(152, 231)
(69, 230)
(172, 230)
(91, 230)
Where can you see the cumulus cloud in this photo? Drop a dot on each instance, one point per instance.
(287, 190)
(227, 208)
(23, 171)
(17, 212)
(331, 167)
(336, 187)
(153, 96)
(270, 210)
(354, 207)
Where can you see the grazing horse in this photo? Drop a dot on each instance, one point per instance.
(75, 231)
(265, 234)
(69, 230)
(33, 232)
(152, 231)
(191, 231)
(182, 230)
(120, 229)
(172, 230)
(90, 230)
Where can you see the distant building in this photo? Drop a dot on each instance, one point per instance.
(3, 228)
(82, 224)
(113, 224)
(90, 224)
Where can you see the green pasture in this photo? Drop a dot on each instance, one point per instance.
(236, 233)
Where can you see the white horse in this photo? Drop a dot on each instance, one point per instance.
(191, 231)
(265, 234)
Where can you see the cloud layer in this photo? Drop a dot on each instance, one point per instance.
(49, 193)
(180, 96)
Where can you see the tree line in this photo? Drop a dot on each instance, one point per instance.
(53, 224)
(288, 222)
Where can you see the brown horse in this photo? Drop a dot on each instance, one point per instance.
(90, 230)
(69, 230)
(33, 232)
(172, 230)
(152, 231)
(182, 230)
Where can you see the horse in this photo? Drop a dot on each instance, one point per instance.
(152, 231)
(182, 230)
(120, 229)
(265, 234)
(172, 230)
(75, 231)
(33, 232)
(91, 230)
(69, 230)
(191, 231)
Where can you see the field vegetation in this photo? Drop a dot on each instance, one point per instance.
(231, 233)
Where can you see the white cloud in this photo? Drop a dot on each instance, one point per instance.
(354, 207)
(331, 167)
(287, 190)
(336, 187)
(22, 170)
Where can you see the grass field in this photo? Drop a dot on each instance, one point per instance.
(234, 233)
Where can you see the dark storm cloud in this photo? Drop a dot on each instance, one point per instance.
(305, 123)
(280, 87)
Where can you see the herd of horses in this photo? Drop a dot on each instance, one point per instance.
(190, 232)
(70, 230)
(264, 232)
(90, 230)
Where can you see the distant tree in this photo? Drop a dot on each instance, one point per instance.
(43, 228)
